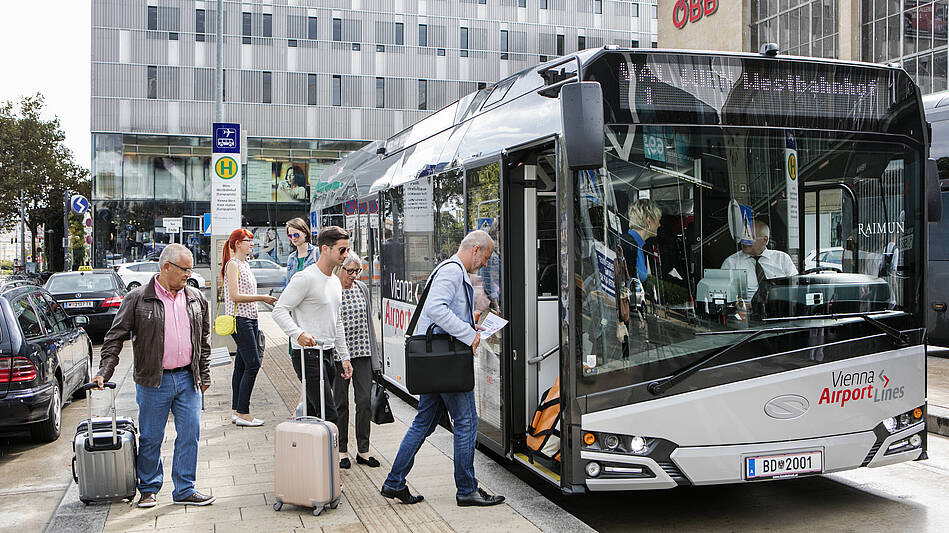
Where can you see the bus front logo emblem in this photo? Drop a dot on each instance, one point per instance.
(786, 407)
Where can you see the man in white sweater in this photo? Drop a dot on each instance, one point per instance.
(308, 310)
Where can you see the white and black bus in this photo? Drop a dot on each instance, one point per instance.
(937, 310)
(633, 195)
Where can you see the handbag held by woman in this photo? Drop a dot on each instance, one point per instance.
(436, 362)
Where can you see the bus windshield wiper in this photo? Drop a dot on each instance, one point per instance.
(900, 338)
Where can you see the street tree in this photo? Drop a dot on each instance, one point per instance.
(36, 165)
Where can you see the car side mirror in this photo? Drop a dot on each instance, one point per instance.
(581, 109)
(933, 192)
(81, 320)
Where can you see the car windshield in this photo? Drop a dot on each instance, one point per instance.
(81, 283)
(695, 225)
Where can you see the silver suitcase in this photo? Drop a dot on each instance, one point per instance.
(104, 460)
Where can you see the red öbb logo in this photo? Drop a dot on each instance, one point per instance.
(686, 11)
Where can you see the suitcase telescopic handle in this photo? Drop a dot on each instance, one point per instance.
(88, 388)
(303, 399)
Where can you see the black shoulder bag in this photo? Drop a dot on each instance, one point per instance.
(436, 363)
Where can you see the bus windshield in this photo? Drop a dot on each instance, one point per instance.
(690, 232)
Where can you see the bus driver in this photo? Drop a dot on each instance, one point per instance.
(760, 262)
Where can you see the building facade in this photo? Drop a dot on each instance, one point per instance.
(309, 81)
(911, 33)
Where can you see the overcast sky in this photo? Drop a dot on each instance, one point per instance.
(45, 47)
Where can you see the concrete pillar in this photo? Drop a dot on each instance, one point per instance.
(726, 27)
(848, 30)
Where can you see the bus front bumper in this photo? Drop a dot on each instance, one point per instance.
(711, 465)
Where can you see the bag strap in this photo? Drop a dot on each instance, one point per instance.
(233, 313)
(410, 330)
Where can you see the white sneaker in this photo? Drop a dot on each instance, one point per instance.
(249, 423)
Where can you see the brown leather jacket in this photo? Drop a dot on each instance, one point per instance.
(142, 318)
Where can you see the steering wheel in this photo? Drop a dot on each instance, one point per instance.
(822, 269)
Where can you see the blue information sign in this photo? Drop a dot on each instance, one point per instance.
(206, 225)
(79, 204)
(226, 138)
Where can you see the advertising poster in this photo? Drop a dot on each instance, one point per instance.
(419, 210)
(604, 264)
(260, 181)
(291, 181)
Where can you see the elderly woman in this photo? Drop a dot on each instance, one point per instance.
(644, 217)
(356, 311)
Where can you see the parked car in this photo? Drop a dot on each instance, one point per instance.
(45, 356)
(95, 294)
(139, 273)
(830, 258)
(268, 273)
(112, 260)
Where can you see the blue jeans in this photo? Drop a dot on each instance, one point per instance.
(246, 364)
(464, 418)
(176, 395)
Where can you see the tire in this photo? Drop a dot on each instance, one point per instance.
(277, 506)
(80, 394)
(133, 285)
(193, 283)
(49, 429)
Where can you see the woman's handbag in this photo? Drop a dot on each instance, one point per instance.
(379, 404)
(436, 363)
(261, 342)
(225, 324)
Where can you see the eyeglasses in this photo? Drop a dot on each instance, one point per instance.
(247, 240)
(293, 235)
(342, 250)
(352, 271)
(188, 270)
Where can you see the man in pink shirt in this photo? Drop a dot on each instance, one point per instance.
(169, 325)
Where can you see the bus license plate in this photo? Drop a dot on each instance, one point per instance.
(75, 305)
(784, 465)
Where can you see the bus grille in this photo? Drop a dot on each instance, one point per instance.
(673, 471)
(873, 451)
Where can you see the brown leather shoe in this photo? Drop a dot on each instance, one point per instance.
(197, 499)
(148, 499)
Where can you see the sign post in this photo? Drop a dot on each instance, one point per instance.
(225, 214)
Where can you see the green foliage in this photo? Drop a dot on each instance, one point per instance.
(34, 161)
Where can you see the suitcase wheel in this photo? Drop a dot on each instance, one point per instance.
(84, 501)
(317, 511)
(334, 504)
(277, 506)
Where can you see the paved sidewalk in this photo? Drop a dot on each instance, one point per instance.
(937, 391)
(236, 465)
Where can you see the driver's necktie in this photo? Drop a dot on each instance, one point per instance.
(759, 270)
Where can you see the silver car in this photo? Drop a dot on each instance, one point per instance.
(268, 273)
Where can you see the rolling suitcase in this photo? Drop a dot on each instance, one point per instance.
(105, 451)
(306, 455)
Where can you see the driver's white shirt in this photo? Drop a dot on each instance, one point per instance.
(776, 264)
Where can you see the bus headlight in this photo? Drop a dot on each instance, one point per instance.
(903, 420)
(890, 424)
(637, 445)
(610, 441)
(915, 441)
(593, 469)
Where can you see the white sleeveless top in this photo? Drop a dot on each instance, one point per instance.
(246, 284)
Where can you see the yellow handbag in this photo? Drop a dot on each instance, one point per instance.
(225, 324)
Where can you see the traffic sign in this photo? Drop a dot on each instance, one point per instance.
(172, 224)
(79, 204)
(88, 239)
(226, 167)
(227, 138)
(206, 224)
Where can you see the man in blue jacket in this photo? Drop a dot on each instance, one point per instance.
(450, 309)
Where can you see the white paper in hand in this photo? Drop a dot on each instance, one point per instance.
(492, 324)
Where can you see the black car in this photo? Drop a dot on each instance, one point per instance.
(45, 356)
(95, 294)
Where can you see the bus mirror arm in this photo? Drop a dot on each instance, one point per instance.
(661, 385)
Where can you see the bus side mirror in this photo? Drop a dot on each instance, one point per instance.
(933, 192)
(581, 108)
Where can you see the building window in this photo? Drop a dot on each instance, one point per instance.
(463, 42)
(581, 43)
(337, 90)
(521, 3)
(291, 43)
(482, 85)
(423, 35)
(634, 10)
(267, 88)
(311, 89)
(380, 92)
(311, 28)
(357, 47)
(199, 27)
(380, 48)
(635, 43)
(153, 17)
(482, 1)
(399, 33)
(655, 44)
(441, 52)
(598, 7)
(504, 44)
(152, 85)
(337, 29)
(560, 45)
(245, 27)
(172, 36)
(543, 4)
(543, 59)
(652, 12)
(268, 25)
(422, 94)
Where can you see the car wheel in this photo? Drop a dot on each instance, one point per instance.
(48, 430)
(87, 377)
(193, 283)
(134, 285)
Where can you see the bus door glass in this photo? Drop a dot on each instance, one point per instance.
(483, 205)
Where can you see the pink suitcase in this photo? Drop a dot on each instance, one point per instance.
(306, 456)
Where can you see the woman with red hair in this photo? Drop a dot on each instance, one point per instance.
(240, 300)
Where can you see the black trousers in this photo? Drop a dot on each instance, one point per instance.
(361, 380)
(312, 359)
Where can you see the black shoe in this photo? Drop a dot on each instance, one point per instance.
(478, 498)
(345, 463)
(371, 462)
(402, 495)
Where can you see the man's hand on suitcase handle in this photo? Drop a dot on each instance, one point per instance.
(98, 380)
(347, 369)
(305, 339)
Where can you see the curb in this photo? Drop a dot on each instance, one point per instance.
(937, 420)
